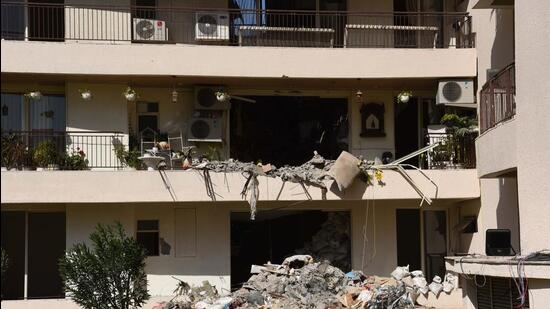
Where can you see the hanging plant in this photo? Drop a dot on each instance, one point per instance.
(85, 94)
(130, 94)
(34, 95)
(404, 96)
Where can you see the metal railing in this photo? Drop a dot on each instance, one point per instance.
(498, 98)
(58, 22)
(69, 150)
(453, 151)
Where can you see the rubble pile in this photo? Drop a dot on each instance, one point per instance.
(300, 282)
(331, 242)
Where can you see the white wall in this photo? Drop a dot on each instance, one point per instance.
(532, 97)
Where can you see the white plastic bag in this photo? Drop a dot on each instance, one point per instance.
(400, 272)
(417, 273)
(436, 287)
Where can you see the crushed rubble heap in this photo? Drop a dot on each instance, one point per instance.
(300, 282)
(331, 242)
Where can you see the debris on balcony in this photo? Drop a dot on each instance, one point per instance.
(300, 282)
(314, 173)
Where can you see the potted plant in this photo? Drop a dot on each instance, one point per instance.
(85, 94)
(76, 161)
(14, 152)
(129, 159)
(130, 94)
(404, 96)
(45, 156)
(34, 95)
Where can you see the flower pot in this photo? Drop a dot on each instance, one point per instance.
(404, 98)
(86, 95)
(128, 168)
(130, 96)
(53, 167)
(39, 169)
(4, 169)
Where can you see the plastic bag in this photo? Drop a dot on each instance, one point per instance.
(400, 272)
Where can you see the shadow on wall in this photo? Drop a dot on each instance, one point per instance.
(502, 52)
(507, 212)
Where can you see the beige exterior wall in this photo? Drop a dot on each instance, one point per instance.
(496, 151)
(207, 61)
(144, 186)
(532, 97)
(375, 253)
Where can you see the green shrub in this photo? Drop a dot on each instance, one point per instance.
(128, 158)
(45, 154)
(109, 274)
(76, 161)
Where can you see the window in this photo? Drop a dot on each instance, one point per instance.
(147, 116)
(147, 236)
(145, 9)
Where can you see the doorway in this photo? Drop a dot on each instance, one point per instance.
(34, 243)
(435, 242)
(275, 235)
(406, 130)
(408, 238)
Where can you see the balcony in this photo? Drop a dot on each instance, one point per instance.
(235, 27)
(498, 99)
(70, 150)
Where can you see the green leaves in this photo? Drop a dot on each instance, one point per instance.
(108, 274)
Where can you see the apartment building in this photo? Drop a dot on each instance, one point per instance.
(514, 191)
(269, 81)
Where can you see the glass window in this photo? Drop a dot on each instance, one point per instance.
(147, 236)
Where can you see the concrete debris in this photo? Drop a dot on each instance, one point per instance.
(300, 282)
(345, 170)
(331, 242)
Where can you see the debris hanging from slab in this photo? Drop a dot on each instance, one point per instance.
(300, 282)
(314, 172)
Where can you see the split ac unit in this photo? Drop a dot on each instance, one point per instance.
(212, 26)
(456, 93)
(150, 30)
(205, 130)
(206, 99)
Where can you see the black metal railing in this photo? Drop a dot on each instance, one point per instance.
(498, 98)
(58, 22)
(453, 151)
(70, 150)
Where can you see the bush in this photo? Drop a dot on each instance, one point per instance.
(45, 154)
(110, 274)
(128, 158)
(76, 161)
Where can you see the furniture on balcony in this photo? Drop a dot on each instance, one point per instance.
(405, 29)
(291, 36)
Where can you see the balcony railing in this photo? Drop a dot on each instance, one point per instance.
(58, 22)
(453, 151)
(498, 98)
(64, 150)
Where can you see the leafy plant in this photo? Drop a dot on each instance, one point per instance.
(459, 125)
(45, 154)
(128, 158)
(13, 150)
(402, 94)
(109, 274)
(76, 160)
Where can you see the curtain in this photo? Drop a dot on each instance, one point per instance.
(48, 113)
(12, 112)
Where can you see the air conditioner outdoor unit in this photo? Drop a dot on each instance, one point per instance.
(212, 26)
(150, 30)
(206, 99)
(456, 93)
(205, 130)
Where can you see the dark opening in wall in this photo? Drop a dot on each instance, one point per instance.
(275, 235)
(286, 130)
